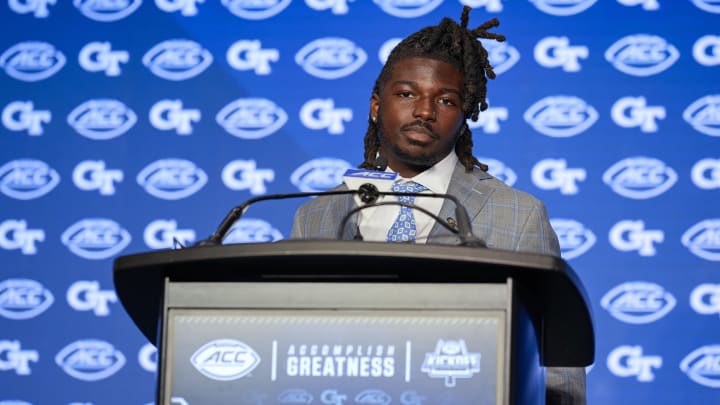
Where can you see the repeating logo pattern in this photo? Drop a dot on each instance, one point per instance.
(128, 126)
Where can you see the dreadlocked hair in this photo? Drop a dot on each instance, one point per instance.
(458, 46)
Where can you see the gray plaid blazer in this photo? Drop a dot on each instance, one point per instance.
(503, 217)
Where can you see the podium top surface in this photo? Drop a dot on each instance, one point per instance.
(548, 288)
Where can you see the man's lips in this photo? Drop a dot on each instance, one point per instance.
(419, 132)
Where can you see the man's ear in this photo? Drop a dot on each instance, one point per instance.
(374, 106)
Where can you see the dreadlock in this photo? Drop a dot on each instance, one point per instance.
(458, 46)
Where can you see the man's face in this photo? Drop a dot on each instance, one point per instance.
(419, 114)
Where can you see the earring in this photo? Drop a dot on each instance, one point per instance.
(373, 118)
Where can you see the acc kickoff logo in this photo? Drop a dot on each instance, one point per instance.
(225, 359)
(450, 361)
(331, 58)
(638, 302)
(640, 177)
(22, 298)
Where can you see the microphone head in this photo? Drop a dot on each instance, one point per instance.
(368, 193)
(359, 179)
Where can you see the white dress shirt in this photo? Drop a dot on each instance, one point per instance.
(375, 222)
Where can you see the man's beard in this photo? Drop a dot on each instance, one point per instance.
(420, 161)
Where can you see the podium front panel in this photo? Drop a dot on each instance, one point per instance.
(335, 343)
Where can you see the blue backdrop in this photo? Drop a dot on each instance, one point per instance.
(128, 124)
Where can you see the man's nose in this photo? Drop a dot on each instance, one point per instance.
(425, 110)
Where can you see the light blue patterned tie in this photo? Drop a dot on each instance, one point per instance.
(404, 230)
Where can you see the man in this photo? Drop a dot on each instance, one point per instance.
(433, 81)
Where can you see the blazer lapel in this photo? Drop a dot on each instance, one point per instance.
(470, 192)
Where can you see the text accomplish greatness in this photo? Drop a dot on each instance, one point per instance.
(340, 361)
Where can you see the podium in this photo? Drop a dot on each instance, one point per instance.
(348, 322)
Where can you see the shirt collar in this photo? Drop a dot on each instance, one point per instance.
(437, 177)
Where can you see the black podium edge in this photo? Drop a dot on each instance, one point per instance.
(548, 287)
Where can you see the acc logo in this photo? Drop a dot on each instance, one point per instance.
(500, 55)
(172, 179)
(106, 11)
(251, 118)
(255, 10)
(703, 239)
(90, 359)
(500, 171)
(319, 174)
(407, 9)
(177, 59)
(373, 397)
(711, 6)
(31, 61)
(25, 179)
(295, 396)
(640, 177)
(330, 58)
(102, 119)
(225, 359)
(22, 298)
(701, 366)
(638, 302)
(96, 238)
(561, 116)
(249, 230)
(641, 55)
(563, 8)
(575, 239)
(704, 115)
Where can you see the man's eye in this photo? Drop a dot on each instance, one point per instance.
(446, 101)
(405, 94)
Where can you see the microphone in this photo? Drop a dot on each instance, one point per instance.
(238, 211)
(366, 186)
(371, 184)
